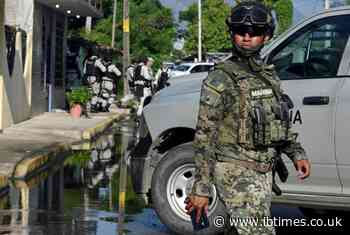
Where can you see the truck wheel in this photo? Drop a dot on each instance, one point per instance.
(172, 181)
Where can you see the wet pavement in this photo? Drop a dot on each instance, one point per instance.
(83, 195)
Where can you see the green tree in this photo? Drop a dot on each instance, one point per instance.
(152, 28)
(284, 12)
(214, 30)
(215, 36)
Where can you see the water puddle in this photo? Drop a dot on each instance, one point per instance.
(89, 192)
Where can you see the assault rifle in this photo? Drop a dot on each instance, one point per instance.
(281, 170)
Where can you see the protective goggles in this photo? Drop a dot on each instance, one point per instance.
(256, 14)
(252, 31)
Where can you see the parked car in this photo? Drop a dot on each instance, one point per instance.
(312, 60)
(170, 65)
(188, 68)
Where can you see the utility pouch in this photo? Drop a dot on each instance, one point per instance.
(281, 124)
(285, 98)
(258, 115)
(281, 111)
(284, 112)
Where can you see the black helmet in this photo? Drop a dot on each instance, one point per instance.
(251, 13)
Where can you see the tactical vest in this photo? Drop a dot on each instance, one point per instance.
(164, 77)
(263, 110)
(90, 68)
(109, 73)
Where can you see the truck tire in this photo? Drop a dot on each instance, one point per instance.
(172, 181)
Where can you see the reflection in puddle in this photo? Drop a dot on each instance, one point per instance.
(80, 195)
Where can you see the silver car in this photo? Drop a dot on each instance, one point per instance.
(312, 60)
(189, 68)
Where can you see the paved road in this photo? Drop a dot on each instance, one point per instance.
(148, 223)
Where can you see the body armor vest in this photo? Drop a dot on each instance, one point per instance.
(263, 110)
(111, 71)
(90, 67)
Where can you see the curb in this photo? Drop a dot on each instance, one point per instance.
(99, 128)
(36, 162)
(31, 163)
(3, 182)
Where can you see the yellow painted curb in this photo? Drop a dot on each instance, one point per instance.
(33, 181)
(4, 202)
(34, 162)
(29, 165)
(100, 127)
(3, 181)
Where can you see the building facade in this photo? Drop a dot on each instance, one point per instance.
(33, 45)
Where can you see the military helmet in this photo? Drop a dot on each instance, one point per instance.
(251, 13)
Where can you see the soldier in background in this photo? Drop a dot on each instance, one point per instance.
(243, 118)
(139, 80)
(108, 81)
(93, 70)
(147, 75)
(130, 72)
(162, 77)
(147, 78)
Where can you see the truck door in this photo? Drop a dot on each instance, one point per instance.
(342, 123)
(307, 63)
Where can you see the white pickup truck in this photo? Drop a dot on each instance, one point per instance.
(313, 62)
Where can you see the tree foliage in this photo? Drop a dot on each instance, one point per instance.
(214, 30)
(215, 36)
(284, 12)
(152, 28)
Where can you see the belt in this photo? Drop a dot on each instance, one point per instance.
(261, 167)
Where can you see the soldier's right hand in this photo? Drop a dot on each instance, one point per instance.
(197, 203)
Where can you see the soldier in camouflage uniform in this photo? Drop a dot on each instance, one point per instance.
(243, 118)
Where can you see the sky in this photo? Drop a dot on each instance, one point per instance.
(302, 8)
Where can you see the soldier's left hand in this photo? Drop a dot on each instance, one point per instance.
(303, 167)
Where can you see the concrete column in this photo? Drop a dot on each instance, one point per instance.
(88, 24)
(25, 205)
(28, 63)
(5, 111)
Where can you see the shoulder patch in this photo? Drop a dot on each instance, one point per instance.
(209, 96)
(216, 81)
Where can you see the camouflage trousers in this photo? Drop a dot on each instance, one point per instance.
(246, 195)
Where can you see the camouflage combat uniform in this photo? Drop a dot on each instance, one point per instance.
(228, 153)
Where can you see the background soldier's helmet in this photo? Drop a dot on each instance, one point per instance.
(251, 13)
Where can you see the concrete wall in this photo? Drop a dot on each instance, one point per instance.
(14, 99)
(24, 93)
(39, 91)
(40, 95)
